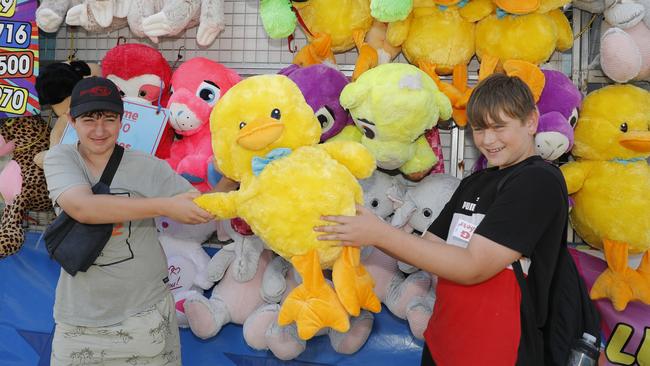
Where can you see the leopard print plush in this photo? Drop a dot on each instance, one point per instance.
(31, 135)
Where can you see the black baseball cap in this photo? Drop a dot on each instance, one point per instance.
(95, 94)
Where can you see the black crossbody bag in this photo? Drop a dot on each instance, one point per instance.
(76, 246)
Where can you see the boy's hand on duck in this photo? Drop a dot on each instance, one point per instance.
(365, 228)
(183, 209)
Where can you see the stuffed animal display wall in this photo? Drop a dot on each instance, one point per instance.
(609, 183)
(264, 136)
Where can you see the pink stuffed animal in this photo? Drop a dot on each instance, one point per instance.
(197, 85)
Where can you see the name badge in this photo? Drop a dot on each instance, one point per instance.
(464, 230)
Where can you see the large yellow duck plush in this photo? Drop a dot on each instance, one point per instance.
(526, 30)
(438, 36)
(610, 183)
(265, 136)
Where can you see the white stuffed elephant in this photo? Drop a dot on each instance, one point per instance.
(51, 13)
(384, 194)
(423, 202)
(238, 268)
(186, 259)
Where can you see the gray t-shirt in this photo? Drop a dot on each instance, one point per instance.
(129, 275)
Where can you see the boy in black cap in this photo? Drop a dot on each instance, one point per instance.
(120, 310)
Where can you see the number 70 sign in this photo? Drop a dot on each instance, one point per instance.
(18, 58)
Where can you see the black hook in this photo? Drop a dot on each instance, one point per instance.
(121, 38)
(179, 56)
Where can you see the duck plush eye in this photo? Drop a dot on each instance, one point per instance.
(623, 127)
(209, 92)
(275, 114)
(242, 125)
(325, 118)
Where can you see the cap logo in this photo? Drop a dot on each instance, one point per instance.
(96, 91)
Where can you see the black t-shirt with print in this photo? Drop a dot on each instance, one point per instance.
(528, 215)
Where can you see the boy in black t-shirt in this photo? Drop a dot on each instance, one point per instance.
(514, 211)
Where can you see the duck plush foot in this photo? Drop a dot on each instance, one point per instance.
(368, 56)
(354, 285)
(620, 283)
(644, 271)
(313, 305)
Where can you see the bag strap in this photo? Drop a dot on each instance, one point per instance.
(111, 166)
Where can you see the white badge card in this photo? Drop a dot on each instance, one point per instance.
(462, 229)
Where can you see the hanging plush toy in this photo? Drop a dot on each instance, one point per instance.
(331, 26)
(54, 85)
(51, 13)
(321, 85)
(393, 105)
(528, 30)
(158, 18)
(558, 113)
(624, 46)
(99, 15)
(438, 37)
(198, 84)
(143, 75)
(265, 136)
(390, 10)
(28, 136)
(610, 182)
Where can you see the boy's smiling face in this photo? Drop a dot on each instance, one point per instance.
(508, 141)
(97, 131)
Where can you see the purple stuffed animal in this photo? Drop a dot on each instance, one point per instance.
(321, 86)
(558, 112)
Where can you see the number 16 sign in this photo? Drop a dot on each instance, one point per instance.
(18, 58)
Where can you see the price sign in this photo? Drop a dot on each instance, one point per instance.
(18, 58)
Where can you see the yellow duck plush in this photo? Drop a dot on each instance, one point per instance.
(393, 105)
(526, 30)
(438, 36)
(265, 136)
(610, 182)
(336, 26)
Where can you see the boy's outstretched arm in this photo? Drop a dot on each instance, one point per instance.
(481, 260)
(81, 204)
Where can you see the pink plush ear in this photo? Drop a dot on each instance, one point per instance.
(6, 147)
(11, 182)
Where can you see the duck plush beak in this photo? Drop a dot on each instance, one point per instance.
(260, 133)
(636, 141)
(518, 6)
